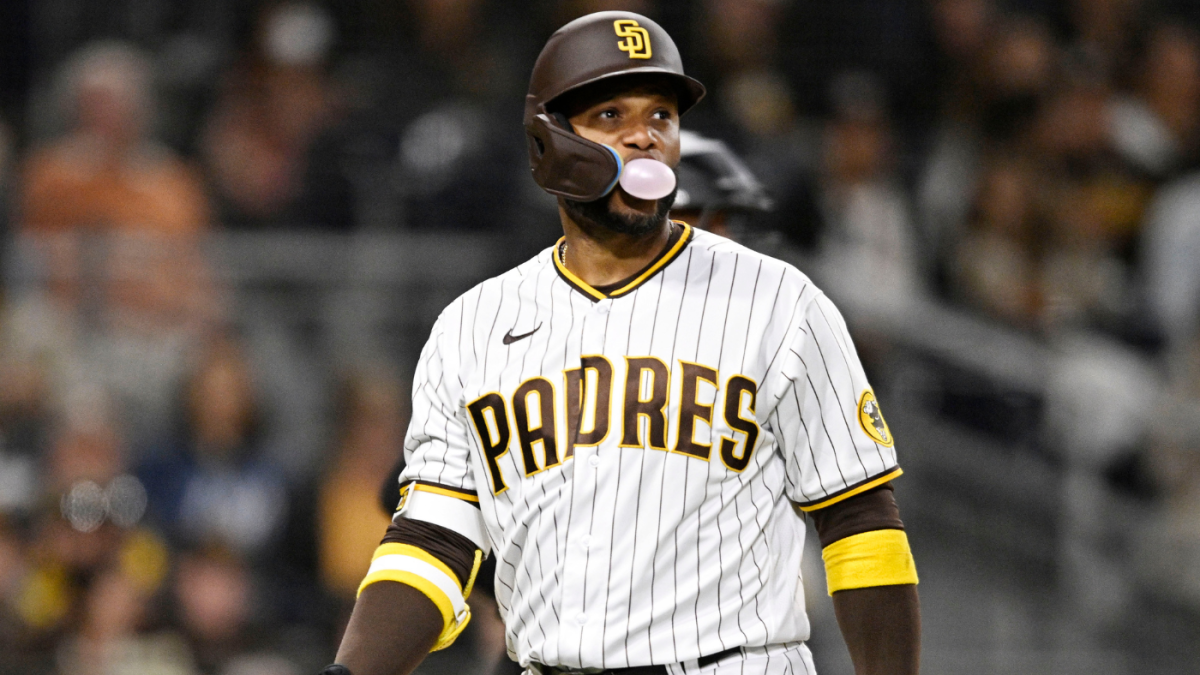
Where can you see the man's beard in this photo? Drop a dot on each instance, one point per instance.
(600, 212)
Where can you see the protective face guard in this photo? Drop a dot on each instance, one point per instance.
(568, 165)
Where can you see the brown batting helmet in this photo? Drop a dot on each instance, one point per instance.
(592, 48)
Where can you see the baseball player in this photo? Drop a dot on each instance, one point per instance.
(630, 421)
(717, 191)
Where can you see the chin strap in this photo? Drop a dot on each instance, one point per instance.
(335, 669)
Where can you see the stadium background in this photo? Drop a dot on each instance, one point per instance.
(228, 225)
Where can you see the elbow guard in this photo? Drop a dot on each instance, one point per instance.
(413, 566)
(875, 558)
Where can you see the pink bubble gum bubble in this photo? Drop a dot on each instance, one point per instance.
(647, 179)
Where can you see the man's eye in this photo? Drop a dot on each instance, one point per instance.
(663, 115)
(608, 115)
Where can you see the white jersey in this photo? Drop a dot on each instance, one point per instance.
(636, 455)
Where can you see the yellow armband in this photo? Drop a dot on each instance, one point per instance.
(415, 567)
(877, 558)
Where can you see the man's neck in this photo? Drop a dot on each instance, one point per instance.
(600, 257)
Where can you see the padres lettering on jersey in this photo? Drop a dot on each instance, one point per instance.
(636, 454)
(586, 399)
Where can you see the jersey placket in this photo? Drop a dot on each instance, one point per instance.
(582, 616)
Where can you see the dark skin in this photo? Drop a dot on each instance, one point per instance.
(394, 626)
(882, 628)
(391, 630)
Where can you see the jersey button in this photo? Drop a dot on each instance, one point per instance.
(581, 619)
(585, 541)
(594, 461)
(602, 308)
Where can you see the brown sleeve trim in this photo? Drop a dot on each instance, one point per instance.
(448, 546)
(874, 509)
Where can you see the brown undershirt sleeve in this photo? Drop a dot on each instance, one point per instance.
(450, 547)
(874, 509)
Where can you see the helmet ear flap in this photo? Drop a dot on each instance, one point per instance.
(569, 165)
(563, 121)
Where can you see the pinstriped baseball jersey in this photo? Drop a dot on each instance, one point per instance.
(637, 453)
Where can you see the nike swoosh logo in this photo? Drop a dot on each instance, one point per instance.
(509, 338)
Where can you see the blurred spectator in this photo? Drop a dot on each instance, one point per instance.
(273, 107)
(1095, 206)
(113, 638)
(868, 235)
(372, 420)
(105, 174)
(24, 423)
(464, 41)
(1085, 282)
(88, 446)
(214, 603)
(440, 156)
(106, 178)
(1155, 128)
(111, 224)
(1019, 69)
(1106, 28)
(1001, 69)
(749, 89)
(1172, 277)
(85, 567)
(997, 264)
(753, 106)
(456, 169)
(210, 483)
(742, 34)
(1019, 66)
(962, 30)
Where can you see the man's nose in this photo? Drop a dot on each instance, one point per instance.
(638, 136)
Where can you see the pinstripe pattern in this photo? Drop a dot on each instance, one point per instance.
(625, 556)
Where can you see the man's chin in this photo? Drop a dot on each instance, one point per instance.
(620, 218)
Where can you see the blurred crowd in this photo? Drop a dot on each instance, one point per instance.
(1033, 162)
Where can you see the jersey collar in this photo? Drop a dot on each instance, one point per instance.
(626, 286)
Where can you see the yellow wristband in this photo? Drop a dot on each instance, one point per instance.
(877, 558)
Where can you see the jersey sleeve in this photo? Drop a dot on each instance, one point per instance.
(437, 484)
(828, 425)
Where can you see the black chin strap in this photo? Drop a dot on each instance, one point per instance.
(335, 669)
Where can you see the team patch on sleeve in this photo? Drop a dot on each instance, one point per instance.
(871, 419)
